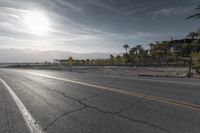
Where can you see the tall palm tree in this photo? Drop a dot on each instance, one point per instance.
(197, 15)
(139, 50)
(126, 46)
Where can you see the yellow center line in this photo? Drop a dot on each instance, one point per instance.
(126, 92)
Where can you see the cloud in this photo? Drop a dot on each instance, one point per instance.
(103, 5)
(73, 6)
(172, 11)
(89, 24)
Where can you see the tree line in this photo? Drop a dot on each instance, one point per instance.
(172, 52)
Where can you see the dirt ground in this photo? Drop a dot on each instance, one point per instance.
(135, 71)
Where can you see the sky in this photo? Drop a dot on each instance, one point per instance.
(86, 26)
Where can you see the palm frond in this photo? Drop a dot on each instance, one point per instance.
(197, 15)
(197, 8)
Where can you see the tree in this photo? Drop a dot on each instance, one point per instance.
(158, 54)
(197, 62)
(139, 50)
(126, 46)
(112, 59)
(70, 62)
(151, 45)
(126, 58)
(87, 61)
(197, 15)
(118, 57)
(175, 55)
(190, 48)
(132, 53)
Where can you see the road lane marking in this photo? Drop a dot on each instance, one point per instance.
(134, 78)
(33, 126)
(145, 79)
(126, 92)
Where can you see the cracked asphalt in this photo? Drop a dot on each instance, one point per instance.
(61, 106)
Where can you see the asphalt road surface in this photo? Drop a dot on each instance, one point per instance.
(42, 101)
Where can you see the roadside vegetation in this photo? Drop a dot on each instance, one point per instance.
(70, 63)
(173, 52)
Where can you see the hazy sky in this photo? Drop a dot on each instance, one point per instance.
(93, 25)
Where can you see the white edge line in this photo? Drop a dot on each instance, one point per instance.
(136, 78)
(33, 126)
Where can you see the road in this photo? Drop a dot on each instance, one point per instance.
(44, 101)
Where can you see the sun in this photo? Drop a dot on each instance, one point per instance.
(37, 23)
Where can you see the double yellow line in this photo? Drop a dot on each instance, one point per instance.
(125, 92)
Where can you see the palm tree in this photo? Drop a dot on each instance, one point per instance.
(70, 62)
(126, 58)
(139, 50)
(151, 45)
(118, 57)
(193, 36)
(132, 53)
(111, 59)
(126, 46)
(197, 15)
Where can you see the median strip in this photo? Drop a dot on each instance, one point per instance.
(126, 92)
(33, 126)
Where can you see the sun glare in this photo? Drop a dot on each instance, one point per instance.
(37, 23)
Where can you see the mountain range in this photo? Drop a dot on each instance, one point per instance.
(30, 55)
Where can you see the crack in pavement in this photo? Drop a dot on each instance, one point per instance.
(145, 123)
(117, 113)
(125, 117)
(112, 113)
(62, 115)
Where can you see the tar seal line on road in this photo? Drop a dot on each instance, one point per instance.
(126, 92)
(33, 126)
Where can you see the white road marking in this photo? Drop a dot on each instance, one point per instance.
(135, 78)
(153, 80)
(33, 126)
(126, 92)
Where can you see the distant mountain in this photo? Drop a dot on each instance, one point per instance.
(29, 55)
